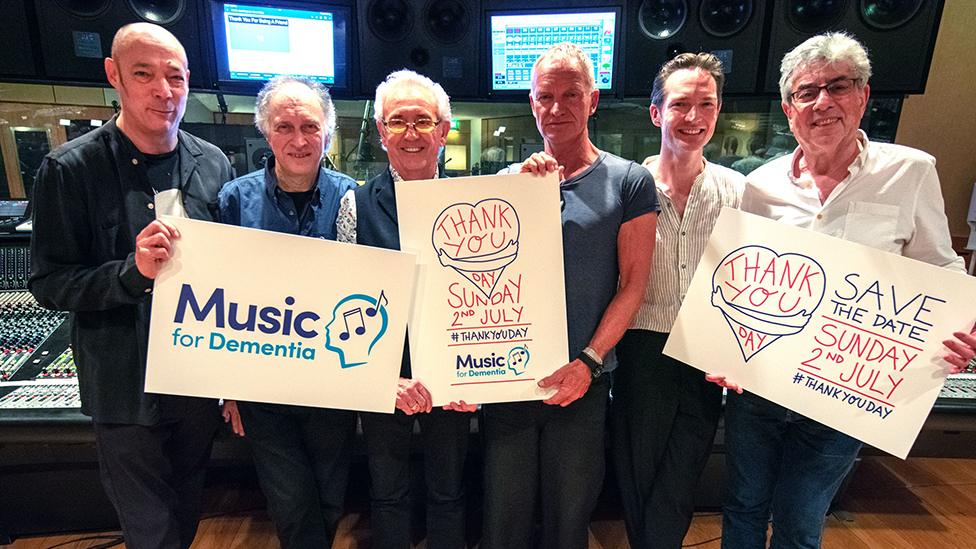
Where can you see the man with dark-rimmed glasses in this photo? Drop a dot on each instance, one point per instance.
(840, 183)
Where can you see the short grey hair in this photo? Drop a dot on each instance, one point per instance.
(406, 77)
(262, 105)
(569, 52)
(831, 47)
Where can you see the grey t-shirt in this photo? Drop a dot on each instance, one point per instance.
(595, 203)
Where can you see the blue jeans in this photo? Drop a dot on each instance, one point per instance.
(783, 463)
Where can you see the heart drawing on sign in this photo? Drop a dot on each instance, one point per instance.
(764, 295)
(477, 240)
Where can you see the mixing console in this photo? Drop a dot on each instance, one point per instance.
(14, 266)
(26, 325)
(960, 386)
(37, 368)
(41, 394)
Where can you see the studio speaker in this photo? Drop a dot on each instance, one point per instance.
(898, 34)
(658, 30)
(15, 43)
(76, 35)
(437, 38)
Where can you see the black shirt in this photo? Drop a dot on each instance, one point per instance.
(301, 199)
(92, 198)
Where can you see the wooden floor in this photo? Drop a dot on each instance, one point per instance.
(892, 504)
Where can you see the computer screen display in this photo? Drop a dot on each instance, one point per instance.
(517, 40)
(255, 42)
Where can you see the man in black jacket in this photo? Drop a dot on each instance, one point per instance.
(96, 248)
(413, 118)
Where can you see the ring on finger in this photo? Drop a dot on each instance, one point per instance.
(971, 365)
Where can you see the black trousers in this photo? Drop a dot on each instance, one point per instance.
(662, 423)
(302, 459)
(445, 444)
(535, 452)
(153, 475)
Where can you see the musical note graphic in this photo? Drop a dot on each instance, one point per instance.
(518, 359)
(363, 316)
(361, 329)
(381, 301)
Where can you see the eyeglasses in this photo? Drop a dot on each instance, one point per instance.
(422, 125)
(836, 88)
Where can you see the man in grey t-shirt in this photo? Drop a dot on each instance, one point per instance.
(555, 449)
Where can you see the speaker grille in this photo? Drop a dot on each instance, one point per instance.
(889, 14)
(662, 19)
(84, 8)
(813, 16)
(446, 20)
(161, 12)
(723, 18)
(389, 20)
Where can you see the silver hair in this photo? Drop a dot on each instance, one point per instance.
(570, 52)
(831, 47)
(262, 104)
(406, 77)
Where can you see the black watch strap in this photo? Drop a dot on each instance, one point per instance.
(595, 367)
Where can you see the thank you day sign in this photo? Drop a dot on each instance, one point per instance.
(842, 333)
(262, 316)
(490, 315)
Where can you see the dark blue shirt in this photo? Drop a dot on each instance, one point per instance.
(255, 200)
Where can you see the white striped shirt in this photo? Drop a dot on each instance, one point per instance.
(681, 241)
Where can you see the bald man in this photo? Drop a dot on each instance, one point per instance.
(96, 248)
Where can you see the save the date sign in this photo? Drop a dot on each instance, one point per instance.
(842, 333)
(489, 316)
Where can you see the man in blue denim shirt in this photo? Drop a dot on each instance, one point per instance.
(301, 454)
(293, 193)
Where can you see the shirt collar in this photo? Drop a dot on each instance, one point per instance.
(271, 179)
(397, 177)
(855, 167)
(651, 161)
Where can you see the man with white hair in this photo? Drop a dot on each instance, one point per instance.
(553, 451)
(840, 183)
(96, 249)
(413, 118)
(301, 453)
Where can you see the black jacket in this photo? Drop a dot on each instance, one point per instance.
(91, 199)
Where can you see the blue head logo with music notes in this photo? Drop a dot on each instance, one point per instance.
(358, 322)
(518, 359)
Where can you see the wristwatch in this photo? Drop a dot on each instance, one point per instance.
(592, 360)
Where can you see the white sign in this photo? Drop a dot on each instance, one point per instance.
(262, 316)
(842, 333)
(490, 319)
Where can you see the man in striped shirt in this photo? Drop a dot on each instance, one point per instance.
(664, 412)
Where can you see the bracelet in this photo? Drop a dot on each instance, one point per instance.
(592, 360)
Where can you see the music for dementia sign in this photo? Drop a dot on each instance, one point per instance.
(490, 314)
(261, 316)
(842, 333)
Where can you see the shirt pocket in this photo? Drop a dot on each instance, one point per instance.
(874, 225)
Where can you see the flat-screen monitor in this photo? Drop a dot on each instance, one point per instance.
(255, 41)
(517, 38)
